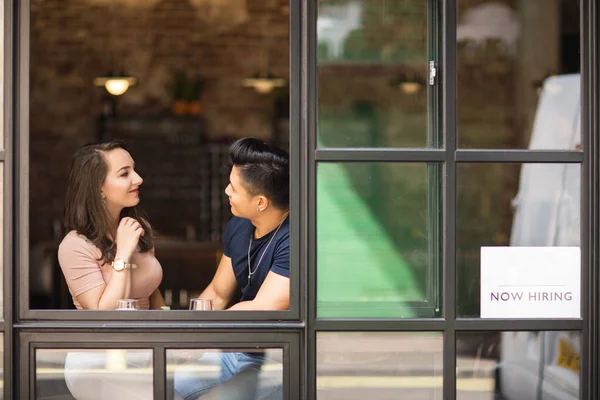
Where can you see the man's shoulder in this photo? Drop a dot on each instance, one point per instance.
(283, 236)
(237, 225)
(236, 222)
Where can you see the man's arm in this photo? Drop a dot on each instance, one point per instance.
(274, 294)
(222, 287)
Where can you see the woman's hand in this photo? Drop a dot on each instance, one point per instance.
(128, 236)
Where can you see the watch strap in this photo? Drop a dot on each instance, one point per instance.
(126, 265)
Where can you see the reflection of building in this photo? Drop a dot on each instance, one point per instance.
(489, 22)
(335, 23)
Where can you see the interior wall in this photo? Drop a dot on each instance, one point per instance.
(74, 41)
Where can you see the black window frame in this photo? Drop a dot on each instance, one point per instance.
(22, 212)
(451, 155)
(159, 341)
(24, 329)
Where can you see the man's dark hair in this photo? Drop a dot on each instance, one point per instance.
(264, 169)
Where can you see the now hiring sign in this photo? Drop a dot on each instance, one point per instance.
(530, 282)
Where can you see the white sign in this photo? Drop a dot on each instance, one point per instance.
(530, 282)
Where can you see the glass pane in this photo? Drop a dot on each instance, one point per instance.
(2, 74)
(378, 240)
(225, 374)
(533, 205)
(1, 239)
(372, 71)
(518, 71)
(93, 374)
(382, 366)
(1, 366)
(518, 365)
(192, 98)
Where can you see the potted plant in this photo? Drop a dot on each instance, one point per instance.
(194, 88)
(179, 105)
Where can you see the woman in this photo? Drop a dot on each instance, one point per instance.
(108, 255)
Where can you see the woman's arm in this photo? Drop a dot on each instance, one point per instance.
(119, 286)
(84, 276)
(80, 266)
(105, 297)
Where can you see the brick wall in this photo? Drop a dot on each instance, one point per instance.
(72, 41)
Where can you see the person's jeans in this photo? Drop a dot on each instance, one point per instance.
(240, 378)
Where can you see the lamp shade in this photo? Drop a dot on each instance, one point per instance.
(409, 82)
(115, 85)
(264, 84)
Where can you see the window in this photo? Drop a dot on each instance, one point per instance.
(221, 72)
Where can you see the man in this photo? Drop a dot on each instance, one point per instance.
(256, 241)
(255, 260)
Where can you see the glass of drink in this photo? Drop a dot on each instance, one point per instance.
(128, 304)
(201, 304)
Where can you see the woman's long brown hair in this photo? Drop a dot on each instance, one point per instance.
(85, 211)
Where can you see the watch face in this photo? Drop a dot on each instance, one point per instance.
(119, 265)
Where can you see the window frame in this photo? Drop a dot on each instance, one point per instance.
(22, 191)
(450, 155)
(159, 342)
(23, 328)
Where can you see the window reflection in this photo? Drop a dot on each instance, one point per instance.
(511, 205)
(225, 374)
(518, 365)
(1, 145)
(1, 366)
(94, 374)
(372, 65)
(506, 52)
(386, 366)
(521, 205)
(2, 74)
(378, 240)
(1, 238)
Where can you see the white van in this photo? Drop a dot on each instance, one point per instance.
(545, 365)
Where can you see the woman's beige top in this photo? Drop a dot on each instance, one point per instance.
(78, 258)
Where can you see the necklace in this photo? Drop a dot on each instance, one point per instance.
(250, 272)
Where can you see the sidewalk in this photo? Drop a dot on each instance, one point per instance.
(391, 354)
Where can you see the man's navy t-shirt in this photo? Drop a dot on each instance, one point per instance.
(276, 256)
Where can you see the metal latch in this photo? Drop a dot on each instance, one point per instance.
(432, 73)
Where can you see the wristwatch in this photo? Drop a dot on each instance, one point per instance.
(119, 265)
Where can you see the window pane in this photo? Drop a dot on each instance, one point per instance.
(518, 365)
(200, 68)
(2, 74)
(382, 366)
(1, 366)
(98, 374)
(1, 239)
(378, 229)
(511, 205)
(518, 63)
(372, 65)
(225, 374)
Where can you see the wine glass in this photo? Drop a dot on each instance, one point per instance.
(201, 304)
(128, 304)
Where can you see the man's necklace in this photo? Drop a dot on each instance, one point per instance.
(250, 272)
